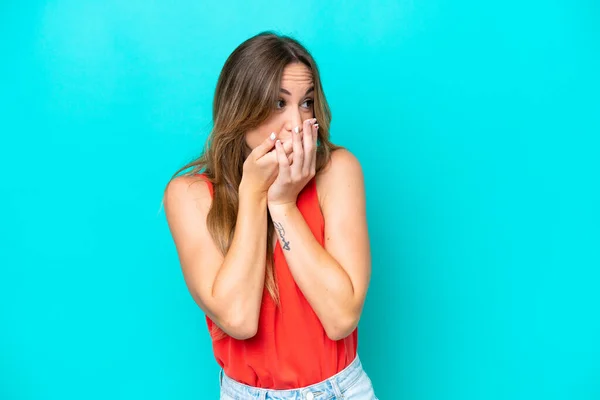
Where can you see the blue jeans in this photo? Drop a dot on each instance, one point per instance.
(351, 383)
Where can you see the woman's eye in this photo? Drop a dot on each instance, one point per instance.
(308, 102)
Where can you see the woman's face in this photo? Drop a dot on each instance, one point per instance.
(295, 105)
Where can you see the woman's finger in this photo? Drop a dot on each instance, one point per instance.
(309, 146)
(313, 164)
(282, 159)
(287, 146)
(265, 146)
(298, 158)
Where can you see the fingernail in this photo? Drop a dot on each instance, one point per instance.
(273, 135)
(297, 129)
(316, 126)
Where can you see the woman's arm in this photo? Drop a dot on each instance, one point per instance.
(228, 289)
(334, 278)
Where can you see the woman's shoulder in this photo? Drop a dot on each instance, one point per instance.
(186, 191)
(343, 167)
(343, 158)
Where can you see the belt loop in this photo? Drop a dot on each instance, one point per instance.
(336, 389)
(220, 377)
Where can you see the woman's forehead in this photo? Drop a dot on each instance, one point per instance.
(297, 75)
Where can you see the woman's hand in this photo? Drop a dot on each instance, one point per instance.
(294, 175)
(262, 164)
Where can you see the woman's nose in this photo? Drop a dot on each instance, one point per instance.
(294, 121)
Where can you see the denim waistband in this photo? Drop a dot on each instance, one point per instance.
(329, 388)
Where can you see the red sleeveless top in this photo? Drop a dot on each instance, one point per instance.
(291, 349)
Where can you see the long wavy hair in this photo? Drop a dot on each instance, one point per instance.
(246, 95)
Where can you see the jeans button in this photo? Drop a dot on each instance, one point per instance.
(310, 396)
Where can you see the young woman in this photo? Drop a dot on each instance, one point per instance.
(270, 228)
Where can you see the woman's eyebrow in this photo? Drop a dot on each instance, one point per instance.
(310, 89)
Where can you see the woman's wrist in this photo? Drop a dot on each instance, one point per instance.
(280, 208)
(251, 193)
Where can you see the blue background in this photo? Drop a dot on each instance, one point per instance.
(477, 125)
